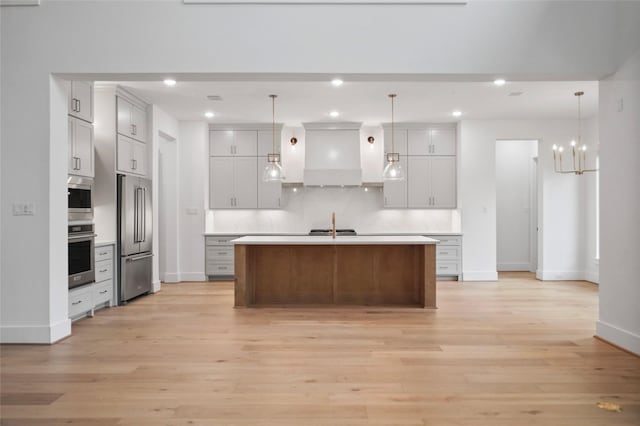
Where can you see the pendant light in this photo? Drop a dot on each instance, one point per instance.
(393, 170)
(578, 150)
(273, 171)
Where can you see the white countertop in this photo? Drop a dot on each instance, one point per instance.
(343, 240)
(104, 243)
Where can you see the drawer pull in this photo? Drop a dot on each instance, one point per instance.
(444, 267)
(104, 291)
(222, 253)
(103, 253)
(222, 267)
(103, 270)
(76, 303)
(443, 252)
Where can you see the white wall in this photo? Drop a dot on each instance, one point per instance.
(293, 39)
(515, 188)
(162, 126)
(560, 200)
(619, 293)
(591, 263)
(168, 209)
(193, 152)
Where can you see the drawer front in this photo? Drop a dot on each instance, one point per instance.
(104, 270)
(80, 302)
(447, 252)
(446, 240)
(102, 292)
(216, 241)
(447, 268)
(222, 253)
(104, 253)
(219, 268)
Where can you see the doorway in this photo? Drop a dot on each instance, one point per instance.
(516, 205)
(167, 209)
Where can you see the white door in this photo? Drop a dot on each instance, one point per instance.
(221, 142)
(443, 182)
(419, 142)
(443, 142)
(395, 192)
(139, 156)
(124, 109)
(399, 142)
(83, 145)
(246, 182)
(81, 105)
(139, 123)
(245, 142)
(221, 182)
(269, 193)
(124, 154)
(419, 182)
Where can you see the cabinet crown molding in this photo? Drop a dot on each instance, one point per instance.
(132, 97)
(420, 126)
(244, 126)
(343, 125)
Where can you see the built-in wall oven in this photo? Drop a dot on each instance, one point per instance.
(80, 196)
(81, 254)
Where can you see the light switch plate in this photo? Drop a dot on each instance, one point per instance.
(192, 212)
(24, 209)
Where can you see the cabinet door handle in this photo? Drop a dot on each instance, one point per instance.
(278, 201)
(103, 253)
(104, 291)
(79, 163)
(79, 106)
(385, 201)
(76, 303)
(103, 270)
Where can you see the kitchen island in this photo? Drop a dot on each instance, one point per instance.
(348, 270)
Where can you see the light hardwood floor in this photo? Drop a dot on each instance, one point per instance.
(516, 352)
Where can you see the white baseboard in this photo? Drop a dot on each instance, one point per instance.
(480, 276)
(623, 338)
(593, 277)
(192, 276)
(171, 277)
(513, 266)
(156, 286)
(44, 334)
(560, 275)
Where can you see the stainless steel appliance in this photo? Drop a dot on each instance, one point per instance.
(80, 198)
(81, 255)
(327, 232)
(134, 230)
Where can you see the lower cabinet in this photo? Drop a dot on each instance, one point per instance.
(219, 262)
(83, 301)
(448, 255)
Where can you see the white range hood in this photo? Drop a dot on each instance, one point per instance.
(332, 154)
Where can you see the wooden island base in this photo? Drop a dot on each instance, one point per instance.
(335, 275)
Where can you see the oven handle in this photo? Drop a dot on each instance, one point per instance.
(85, 236)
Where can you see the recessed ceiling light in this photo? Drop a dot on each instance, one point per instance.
(499, 81)
(337, 82)
(170, 82)
(209, 114)
(456, 113)
(334, 114)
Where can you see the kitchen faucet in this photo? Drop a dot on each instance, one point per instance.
(333, 225)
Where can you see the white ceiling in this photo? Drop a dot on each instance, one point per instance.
(367, 101)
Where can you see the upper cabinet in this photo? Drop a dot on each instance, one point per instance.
(226, 143)
(81, 100)
(435, 141)
(399, 141)
(80, 147)
(265, 141)
(132, 119)
(131, 156)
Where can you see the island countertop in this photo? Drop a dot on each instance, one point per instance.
(340, 240)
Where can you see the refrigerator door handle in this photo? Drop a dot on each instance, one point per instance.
(144, 215)
(134, 258)
(135, 215)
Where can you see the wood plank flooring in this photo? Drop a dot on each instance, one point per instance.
(515, 352)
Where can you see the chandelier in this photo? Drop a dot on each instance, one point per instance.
(578, 150)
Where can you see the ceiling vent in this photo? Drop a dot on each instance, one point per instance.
(214, 97)
(515, 93)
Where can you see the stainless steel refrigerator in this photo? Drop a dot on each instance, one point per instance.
(135, 232)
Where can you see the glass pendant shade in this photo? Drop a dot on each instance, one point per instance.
(272, 172)
(393, 171)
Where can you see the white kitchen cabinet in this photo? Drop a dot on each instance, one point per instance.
(131, 156)
(81, 100)
(269, 193)
(448, 256)
(265, 141)
(395, 192)
(399, 142)
(219, 256)
(233, 143)
(132, 119)
(435, 141)
(233, 182)
(80, 147)
(431, 182)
